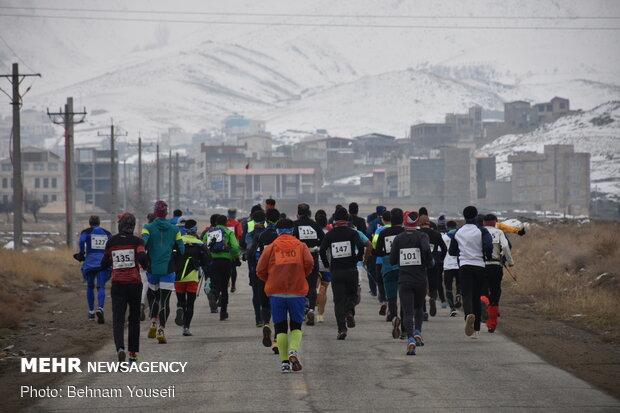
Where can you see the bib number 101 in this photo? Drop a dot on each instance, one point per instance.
(410, 256)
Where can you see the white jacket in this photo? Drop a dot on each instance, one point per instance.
(500, 247)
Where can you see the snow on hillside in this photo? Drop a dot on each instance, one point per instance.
(596, 131)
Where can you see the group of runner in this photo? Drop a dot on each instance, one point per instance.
(291, 264)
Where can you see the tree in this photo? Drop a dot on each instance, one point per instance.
(33, 204)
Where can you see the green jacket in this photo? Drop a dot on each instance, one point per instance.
(160, 238)
(230, 240)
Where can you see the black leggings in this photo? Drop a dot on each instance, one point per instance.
(221, 269)
(122, 296)
(344, 289)
(255, 294)
(379, 281)
(312, 279)
(431, 275)
(282, 326)
(186, 302)
(160, 304)
(233, 277)
(411, 301)
(449, 276)
(494, 274)
(265, 304)
(472, 279)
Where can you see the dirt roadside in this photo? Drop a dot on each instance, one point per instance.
(562, 344)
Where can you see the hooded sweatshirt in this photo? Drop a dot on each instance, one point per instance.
(284, 266)
(160, 238)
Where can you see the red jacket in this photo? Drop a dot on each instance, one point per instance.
(284, 266)
(235, 226)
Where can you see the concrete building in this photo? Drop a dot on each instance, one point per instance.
(43, 173)
(485, 172)
(556, 180)
(334, 155)
(257, 146)
(216, 160)
(551, 111)
(93, 175)
(427, 136)
(375, 148)
(283, 183)
(237, 125)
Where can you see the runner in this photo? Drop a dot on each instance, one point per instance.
(248, 226)
(377, 273)
(389, 271)
(224, 249)
(472, 244)
(341, 242)
(258, 219)
(493, 270)
(92, 247)
(311, 234)
(235, 226)
(284, 266)
(326, 277)
(358, 222)
(411, 252)
(176, 215)
(123, 252)
(150, 217)
(160, 238)
(196, 256)
(451, 271)
(254, 252)
(439, 250)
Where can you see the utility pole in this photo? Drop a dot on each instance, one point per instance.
(157, 174)
(177, 181)
(170, 177)
(68, 121)
(113, 178)
(140, 212)
(18, 192)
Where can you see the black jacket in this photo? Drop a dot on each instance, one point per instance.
(390, 233)
(436, 243)
(360, 223)
(412, 253)
(308, 232)
(341, 242)
(259, 243)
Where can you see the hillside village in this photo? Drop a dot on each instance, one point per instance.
(441, 165)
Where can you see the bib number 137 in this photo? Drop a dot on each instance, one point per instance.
(410, 256)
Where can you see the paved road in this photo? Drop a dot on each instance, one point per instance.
(230, 371)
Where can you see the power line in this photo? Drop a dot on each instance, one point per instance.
(341, 25)
(15, 53)
(373, 16)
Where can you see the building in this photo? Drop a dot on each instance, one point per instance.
(485, 172)
(432, 136)
(210, 170)
(237, 125)
(551, 111)
(557, 180)
(282, 183)
(334, 155)
(43, 173)
(375, 148)
(256, 146)
(93, 172)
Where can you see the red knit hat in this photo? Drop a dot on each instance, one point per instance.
(411, 219)
(161, 209)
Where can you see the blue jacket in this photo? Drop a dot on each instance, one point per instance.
(92, 244)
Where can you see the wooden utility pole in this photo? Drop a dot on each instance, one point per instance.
(18, 192)
(177, 181)
(113, 177)
(170, 177)
(157, 175)
(68, 121)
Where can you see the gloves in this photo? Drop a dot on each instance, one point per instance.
(244, 257)
(521, 232)
(237, 262)
(79, 257)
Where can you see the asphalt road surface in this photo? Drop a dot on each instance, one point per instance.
(228, 370)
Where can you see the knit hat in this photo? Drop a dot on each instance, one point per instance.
(255, 208)
(423, 211)
(161, 209)
(381, 209)
(490, 220)
(191, 227)
(470, 212)
(272, 216)
(411, 219)
(232, 212)
(258, 217)
(442, 221)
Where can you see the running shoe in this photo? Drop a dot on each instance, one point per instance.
(411, 346)
(320, 318)
(186, 332)
(350, 320)
(453, 313)
(233, 289)
(476, 335)
(121, 354)
(403, 334)
(425, 316)
(433, 307)
(444, 304)
(212, 300)
(383, 309)
(389, 317)
(459, 301)
(161, 337)
(178, 320)
(214, 311)
(293, 357)
(309, 321)
(274, 347)
(395, 328)
(341, 335)
(266, 335)
(152, 331)
(469, 324)
(99, 315)
(491, 330)
(142, 313)
(286, 367)
(223, 315)
(91, 316)
(133, 357)
(417, 336)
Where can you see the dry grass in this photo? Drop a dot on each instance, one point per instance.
(50, 267)
(560, 269)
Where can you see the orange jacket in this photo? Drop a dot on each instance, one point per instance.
(507, 228)
(284, 265)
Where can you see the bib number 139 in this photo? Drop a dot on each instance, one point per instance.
(410, 256)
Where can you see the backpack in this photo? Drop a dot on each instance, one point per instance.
(216, 240)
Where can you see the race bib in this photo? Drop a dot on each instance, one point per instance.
(495, 237)
(341, 249)
(215, 235)
(286, 257)
(388, 243)
(410, 256)
(123, 259)
(307, 232)
(97, 242)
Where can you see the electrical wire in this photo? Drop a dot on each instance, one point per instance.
(15, 53)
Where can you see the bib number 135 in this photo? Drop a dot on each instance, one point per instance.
(410, 256)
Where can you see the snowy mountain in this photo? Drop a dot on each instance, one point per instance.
(596, 131)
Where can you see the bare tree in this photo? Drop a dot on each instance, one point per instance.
(33, 204)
